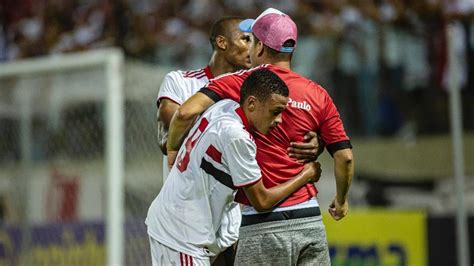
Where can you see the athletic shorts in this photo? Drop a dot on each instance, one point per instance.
(286, 242)
(162, 255)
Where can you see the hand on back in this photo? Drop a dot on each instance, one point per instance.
(307, 151)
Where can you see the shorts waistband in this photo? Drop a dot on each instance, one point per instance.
(279, 216)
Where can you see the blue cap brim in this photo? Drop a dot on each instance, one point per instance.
(246, 25)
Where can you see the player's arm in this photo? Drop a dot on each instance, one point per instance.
(340, 148)
(164, 115)
(344, 171)
(182, 121)
(263, 199)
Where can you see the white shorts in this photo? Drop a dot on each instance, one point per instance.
(163, 255)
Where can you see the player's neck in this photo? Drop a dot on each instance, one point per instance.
(282, 64)
(218, 65)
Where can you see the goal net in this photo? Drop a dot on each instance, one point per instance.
(79, 162)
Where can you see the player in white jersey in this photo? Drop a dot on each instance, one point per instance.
(230, 53)
(218, 156)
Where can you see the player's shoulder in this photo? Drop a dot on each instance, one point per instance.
(310, 84)
(234, 134)
(238, 131)
(239, 73)
(228, 121)
(193, 74)
(318, 87)
(233, 131)
(187, 74)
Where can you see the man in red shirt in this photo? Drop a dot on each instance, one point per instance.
(293, 232)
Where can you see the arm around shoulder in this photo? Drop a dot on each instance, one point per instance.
(184, 117)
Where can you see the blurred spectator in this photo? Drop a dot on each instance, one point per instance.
(375, 57)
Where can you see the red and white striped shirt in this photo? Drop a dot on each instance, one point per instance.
(195, 210)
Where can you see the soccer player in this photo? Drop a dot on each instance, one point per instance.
(230, 53)
(293, 232)
(219, 155)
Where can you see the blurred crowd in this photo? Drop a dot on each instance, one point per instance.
(367, 53)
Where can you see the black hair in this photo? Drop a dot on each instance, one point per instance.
(262, 83)
(272, 53)
(222, 27)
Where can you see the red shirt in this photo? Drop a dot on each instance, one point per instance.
(310, 108)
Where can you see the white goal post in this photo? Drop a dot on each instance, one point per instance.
(111, 61)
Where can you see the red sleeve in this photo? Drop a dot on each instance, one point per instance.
(227, 86)
(331, 129)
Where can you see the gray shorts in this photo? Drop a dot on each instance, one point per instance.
(289, 242)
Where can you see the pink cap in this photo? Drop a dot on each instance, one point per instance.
(273, 28)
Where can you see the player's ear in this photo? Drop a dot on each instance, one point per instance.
(221, 42)
(260, 48)
(251, 103)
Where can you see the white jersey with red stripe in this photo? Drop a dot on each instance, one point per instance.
(196, 203)
(179, 85)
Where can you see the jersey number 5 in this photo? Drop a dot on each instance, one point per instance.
(183, 159)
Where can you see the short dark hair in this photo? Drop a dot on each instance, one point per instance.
(262, 83)
(272, 53)
(221, 27)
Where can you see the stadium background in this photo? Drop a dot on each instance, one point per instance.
(384, 62)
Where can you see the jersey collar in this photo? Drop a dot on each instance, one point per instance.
(242, 116)
(208, 72)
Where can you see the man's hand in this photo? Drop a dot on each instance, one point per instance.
(337, 209)
(309, 151)
(171, 158)
(315, 171)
